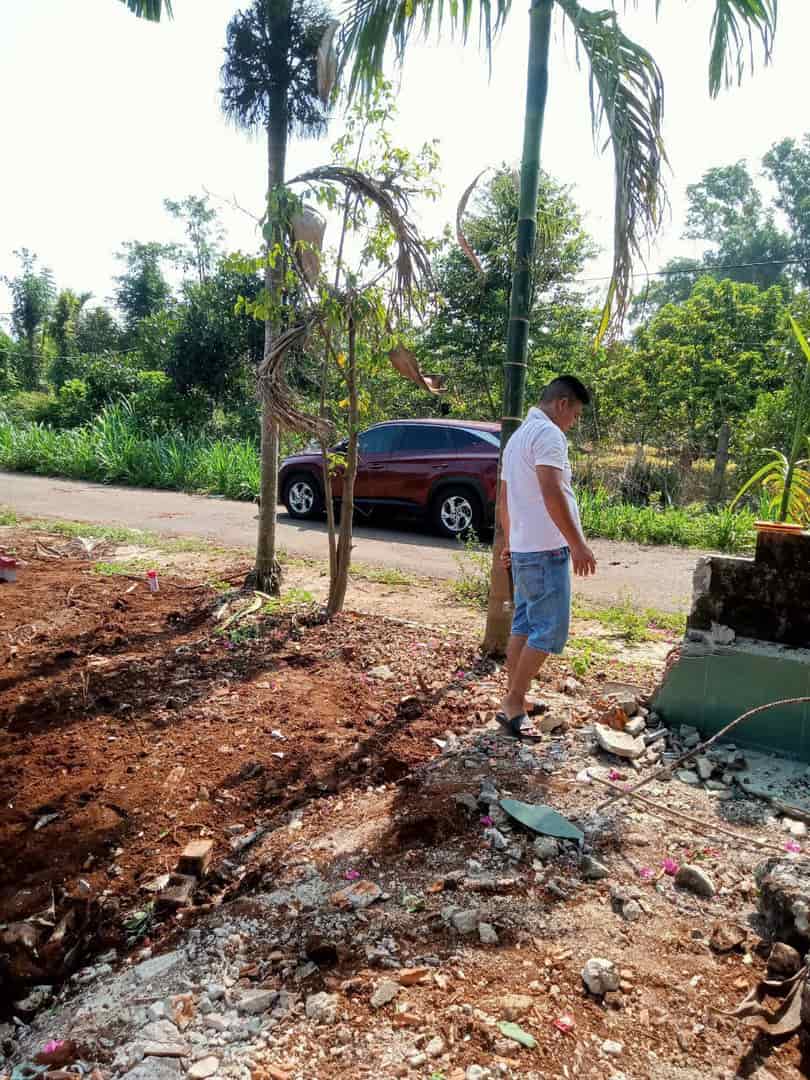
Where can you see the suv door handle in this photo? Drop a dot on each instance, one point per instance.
(376, 467)
(442, 465)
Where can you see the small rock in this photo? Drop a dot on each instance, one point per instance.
(631, 910)
(687, 776)
(515, 1005)
(487, 934)
(34, 1000)
(382, 672)
(736, 761)
(216, 1022)
(591, 869)
(255, 1002)
(546, 848)
(619, 743)
(722, 635)
(322, 1008)
(416, 1060)
(628, 703)
(726, 937)
(600, 976)
(466, 922)
(696, 880)
(497, 839)
(783, 961)
(476, 1072)
(435, 1048)
(615, 1049)
(466, 802)
(155, 1069)
(795, 828)
(215, 991)
(385, 991)
(203, 1068)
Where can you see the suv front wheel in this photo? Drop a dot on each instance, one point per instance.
(302, 497)
(457, 512)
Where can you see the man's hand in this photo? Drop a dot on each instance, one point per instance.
(583, 559)
(506, 558)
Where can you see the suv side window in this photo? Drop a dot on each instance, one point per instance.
(424, 438)
(472, 441)
(381, 440)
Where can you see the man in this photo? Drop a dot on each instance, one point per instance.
(543, 535)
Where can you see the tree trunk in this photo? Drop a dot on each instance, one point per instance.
(718, 484)
(337, 587)
(500, 604)
(267, 572)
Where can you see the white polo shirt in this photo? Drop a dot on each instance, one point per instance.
(538, 441)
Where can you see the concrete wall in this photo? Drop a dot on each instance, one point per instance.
(747, 643)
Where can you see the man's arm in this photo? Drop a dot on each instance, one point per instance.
(551, 480)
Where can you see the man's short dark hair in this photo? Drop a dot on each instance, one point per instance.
(566, 386)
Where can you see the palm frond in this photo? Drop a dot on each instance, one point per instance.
(274, 390)
(735, 25)
(412, 272)
(627, 94)
(369, 26)
(153, 10)
(463, 242)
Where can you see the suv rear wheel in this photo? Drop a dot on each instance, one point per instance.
(457, 512)
(302, 497)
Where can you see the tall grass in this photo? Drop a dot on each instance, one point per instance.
(720, 530)
(112, 450)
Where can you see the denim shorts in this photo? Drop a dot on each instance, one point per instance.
(542, 598)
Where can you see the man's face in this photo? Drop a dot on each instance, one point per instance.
(567, 412)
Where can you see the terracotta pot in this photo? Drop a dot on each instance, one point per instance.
(778, 526)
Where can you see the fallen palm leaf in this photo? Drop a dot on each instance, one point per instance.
(787, 1018)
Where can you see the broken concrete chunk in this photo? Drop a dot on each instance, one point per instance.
(178, 892)
(322, 1008)
(635, 726)
(385, 992)
(487, 934)
(784, 896)
(704, 767)
(727, 936)
(255, 1002)
(203, 1068)
(695, 880)
(515, 1005)
(195, 858)
(357, 896)
(600, 976)
(37, 997)
(466, 922)
(619, 743)
(382, 672)
(158, 965)
(155, 1069)
(687, 776)
(546, 848)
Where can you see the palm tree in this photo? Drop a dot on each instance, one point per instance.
(270, 84)
(626, 93)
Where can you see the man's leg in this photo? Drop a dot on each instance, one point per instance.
(514, 650)
(524, 664)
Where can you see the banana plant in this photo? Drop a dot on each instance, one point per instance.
(785, 480)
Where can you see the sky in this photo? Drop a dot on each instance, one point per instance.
(104, 116)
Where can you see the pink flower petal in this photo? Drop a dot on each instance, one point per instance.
(670, 867)
(352, 875)
(487, 821)
(646, 873)
(793, 847)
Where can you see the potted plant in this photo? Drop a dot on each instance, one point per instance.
(786, 480)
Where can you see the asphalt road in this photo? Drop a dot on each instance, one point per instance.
(656, 577)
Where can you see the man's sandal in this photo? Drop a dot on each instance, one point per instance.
(514, 727)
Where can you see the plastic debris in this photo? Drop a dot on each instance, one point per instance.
(152, 580)
(542, 819)
(516, 1033)
(564, 1023)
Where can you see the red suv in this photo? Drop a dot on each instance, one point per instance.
(443, 469)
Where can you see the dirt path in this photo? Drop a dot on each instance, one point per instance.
(657, 577)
